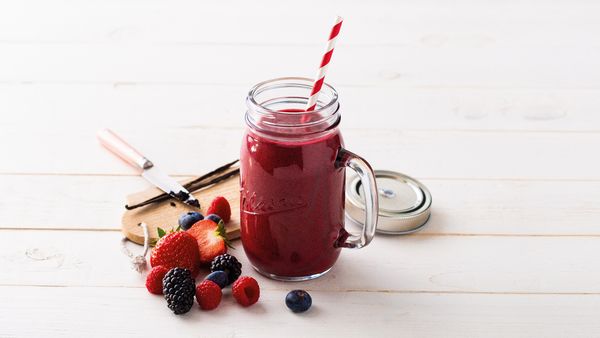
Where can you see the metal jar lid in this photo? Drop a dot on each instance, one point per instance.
(404, 203)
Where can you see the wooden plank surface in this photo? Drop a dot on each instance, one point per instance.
(124, 105)
(423, 154)
(165, 214)
(381, 65)
(464, 23)
(502, 207)
(494, 106)
(423, 263)
(389, 314)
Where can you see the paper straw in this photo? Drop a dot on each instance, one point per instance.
(320, 78)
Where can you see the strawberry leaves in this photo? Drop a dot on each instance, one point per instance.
(223, 234)
(162, 233)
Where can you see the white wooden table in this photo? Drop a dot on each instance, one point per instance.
(493, 106)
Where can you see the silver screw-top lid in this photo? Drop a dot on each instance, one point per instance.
(404, 203)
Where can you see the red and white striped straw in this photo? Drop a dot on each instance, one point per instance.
(320, 78)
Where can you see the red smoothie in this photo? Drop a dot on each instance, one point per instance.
(292, 203)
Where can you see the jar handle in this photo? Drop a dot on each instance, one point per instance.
(367, 177)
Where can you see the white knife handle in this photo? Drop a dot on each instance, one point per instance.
(119, 147)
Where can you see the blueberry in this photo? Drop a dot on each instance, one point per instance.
(214, 217)
(219, 277)
(188, 219)
(298, 300)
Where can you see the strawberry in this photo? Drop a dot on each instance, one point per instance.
(211, 239)
(177, 249)
(154, 279)
(208, 295)
(221, 207)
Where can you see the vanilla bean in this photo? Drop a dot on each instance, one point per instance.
(215, 180)
(205, 176)
(193, 185)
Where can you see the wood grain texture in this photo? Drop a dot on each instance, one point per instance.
(422, 154)
(494, 106)
(166, 214)
(465, 23)
(388, 314)
(502, 207)
(462, 264)
(378, 66)
(497, 47)
(123, 105)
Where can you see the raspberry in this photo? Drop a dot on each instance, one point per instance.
(246, 290)
(221, 207)
(208, 295)
(154, 279)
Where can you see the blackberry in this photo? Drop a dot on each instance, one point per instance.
(179, 289)
(228, 264)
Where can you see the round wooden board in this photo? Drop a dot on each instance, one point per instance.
(166, 214)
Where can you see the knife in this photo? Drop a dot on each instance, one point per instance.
(149, 171)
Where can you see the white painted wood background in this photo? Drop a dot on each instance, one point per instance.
(494, 105)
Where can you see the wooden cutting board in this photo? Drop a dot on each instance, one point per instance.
(166, 214)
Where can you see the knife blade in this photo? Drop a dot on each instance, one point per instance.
(147, 169)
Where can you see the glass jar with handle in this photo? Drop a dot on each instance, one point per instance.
(292, 177)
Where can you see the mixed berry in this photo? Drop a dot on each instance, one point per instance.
(179, 256)
(197, 243)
